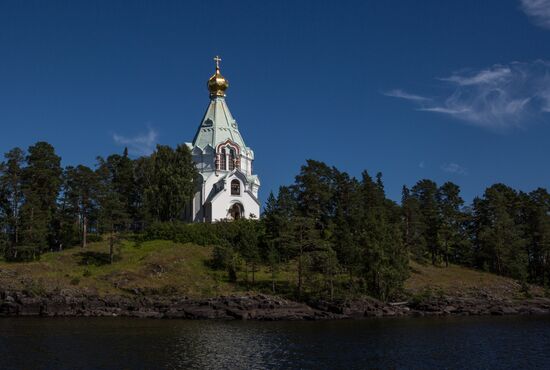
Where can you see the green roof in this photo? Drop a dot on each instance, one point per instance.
(217, 126)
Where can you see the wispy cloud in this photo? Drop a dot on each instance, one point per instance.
(398, 93)
(454, 168)
(492, 75)
(538, 11)
(499, 97)
(141, 144)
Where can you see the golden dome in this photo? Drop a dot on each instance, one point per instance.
(217, 84)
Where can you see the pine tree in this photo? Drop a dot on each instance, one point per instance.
(314, 189)
(12, 199)
(113, 216)
(425, 191)
(452, 237)
(537, 235)
(499, 234)
(41, 185)
(384, 260)
(81, 191)
(346, 224)
(171, 182)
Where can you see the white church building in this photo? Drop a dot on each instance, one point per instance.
(227, 188)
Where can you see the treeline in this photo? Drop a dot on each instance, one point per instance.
(345, 237)
(44, 206)
(341, 235)
(504, 231)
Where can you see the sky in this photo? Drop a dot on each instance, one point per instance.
(454, 90)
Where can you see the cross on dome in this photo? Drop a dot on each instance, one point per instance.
(217, 59)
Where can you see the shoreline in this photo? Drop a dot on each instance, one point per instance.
(258, 307)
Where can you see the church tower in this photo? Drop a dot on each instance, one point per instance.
(227, 189)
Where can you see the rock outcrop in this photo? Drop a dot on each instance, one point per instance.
(252, 307)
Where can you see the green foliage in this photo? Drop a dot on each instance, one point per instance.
(168, 182)
(22, 253)
(332, 225)
(499, 232)
(337, 235)
(41, 180)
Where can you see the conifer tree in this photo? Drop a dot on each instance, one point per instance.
(425, 191)
(12, 198)
(41, 185)
(452, 238)
(81, 192)
(499, 234)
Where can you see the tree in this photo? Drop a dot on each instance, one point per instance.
(170, 184)
(345, 233)
(314, 189)
(499, 234)
(81, 191)
(537, 234)
(384, 261)
(113, 217)
(412, 225)
(246, 242)
(12, 198)
(300, 239)
(452, 237)
(425, 191)
(41, 181)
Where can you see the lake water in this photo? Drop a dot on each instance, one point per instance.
(417, 343)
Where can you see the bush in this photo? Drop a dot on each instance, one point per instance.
(219, 233)
(94, 238)
(22, 254)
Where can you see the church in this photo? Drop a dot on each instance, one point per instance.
(227, 189)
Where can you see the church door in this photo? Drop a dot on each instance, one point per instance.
(235, 212)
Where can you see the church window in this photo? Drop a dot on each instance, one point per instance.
(235, 187)
(232, 159)
(223, 160)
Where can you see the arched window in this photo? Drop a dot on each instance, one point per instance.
(232, 159)
(235, 187)
(223, 160)
(228, 156)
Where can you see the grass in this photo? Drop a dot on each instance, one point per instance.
(156, 267)
(169, 268)
(463, 282)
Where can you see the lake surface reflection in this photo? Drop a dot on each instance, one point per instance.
(418, 343)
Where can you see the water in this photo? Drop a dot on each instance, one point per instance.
(417, 343)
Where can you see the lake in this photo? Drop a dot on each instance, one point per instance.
(417, 343)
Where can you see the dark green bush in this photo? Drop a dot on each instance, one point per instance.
(94, 238)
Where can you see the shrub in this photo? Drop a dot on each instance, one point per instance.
(94, 238)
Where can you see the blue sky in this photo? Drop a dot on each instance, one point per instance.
(447, 90)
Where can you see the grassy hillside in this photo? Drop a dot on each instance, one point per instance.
(165, 267)
(153, 267)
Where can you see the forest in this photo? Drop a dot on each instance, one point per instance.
(341, 234)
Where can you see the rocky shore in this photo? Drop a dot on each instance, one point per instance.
(253, 307)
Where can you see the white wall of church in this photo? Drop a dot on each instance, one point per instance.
(224, 200)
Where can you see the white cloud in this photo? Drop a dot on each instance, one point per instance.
(538, 11)
(141, 144)
(454, 168)
(398, 93)
(488, 76)
(499, 98)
